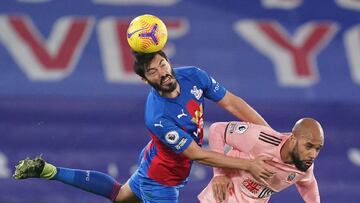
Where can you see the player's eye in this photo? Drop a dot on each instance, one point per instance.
(151, 71)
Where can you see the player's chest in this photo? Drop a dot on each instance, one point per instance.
(188, 115)
(189, 106)
(285, 176)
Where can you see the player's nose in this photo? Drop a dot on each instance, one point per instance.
(312, 154)
(162, 72)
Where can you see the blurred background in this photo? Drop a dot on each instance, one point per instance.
(67, 89)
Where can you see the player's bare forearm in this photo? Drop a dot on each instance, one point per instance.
(242, 110)
(215, 159)
(256, 167)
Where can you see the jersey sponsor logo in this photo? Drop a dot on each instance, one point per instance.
(196, 92)
(181, 143)
(182, 114)
(255, 190)
(158, 125)
(172, 137)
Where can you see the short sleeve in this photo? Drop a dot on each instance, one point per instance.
(213, 90)
(242, 136)
(169, 134)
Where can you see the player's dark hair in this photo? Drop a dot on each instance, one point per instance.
(142, 61)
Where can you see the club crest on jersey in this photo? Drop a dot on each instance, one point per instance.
(172, 137)
(236, 127)
(291, 176)
(241, 128)
(196, 92)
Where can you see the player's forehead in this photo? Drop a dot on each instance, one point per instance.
(313, 140)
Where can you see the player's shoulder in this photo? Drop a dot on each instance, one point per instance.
(189, 71)
(259, 130)
(249, 125)
(155, 119)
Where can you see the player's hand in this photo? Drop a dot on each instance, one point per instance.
(221, 187)
(259, 169)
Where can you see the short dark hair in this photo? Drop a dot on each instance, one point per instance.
(142, 61)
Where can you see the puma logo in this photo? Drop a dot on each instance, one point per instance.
(182, 114)
(158, 124)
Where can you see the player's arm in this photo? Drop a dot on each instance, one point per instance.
(234, 104)
(256, 166)
(308, 188)
(242, 110)
(238, 135)
(181, 142)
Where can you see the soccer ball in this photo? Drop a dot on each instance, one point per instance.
(147, 34)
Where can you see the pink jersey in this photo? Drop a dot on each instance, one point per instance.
(249, 141)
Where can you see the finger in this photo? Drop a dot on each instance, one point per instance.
(258, 178)
(218, 194)
(269, 171)
(215, 193)
(265, 177)
(231, 190)
(223, 192)
(270, 174)
(263, 181)
(231, 185)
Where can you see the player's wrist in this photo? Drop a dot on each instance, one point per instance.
(246, 165)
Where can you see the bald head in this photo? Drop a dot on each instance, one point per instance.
(308, 128)
(307, 140)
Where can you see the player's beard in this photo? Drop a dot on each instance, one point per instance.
(168, 88)
(299, 164)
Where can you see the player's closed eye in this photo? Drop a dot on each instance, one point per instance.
(151, 71)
